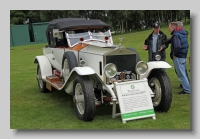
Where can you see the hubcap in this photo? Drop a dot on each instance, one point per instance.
(79, 98)
(156, 89)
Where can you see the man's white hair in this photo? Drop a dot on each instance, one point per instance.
(179, 24)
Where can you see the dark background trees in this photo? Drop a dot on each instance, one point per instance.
(119, 20)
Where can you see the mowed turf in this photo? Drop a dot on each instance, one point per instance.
(31, 109)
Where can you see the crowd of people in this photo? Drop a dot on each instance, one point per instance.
(157, 42)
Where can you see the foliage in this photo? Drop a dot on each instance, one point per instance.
(120, 20)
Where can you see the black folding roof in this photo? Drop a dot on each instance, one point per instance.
(75, 23)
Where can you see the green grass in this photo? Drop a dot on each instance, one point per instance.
(30, 109)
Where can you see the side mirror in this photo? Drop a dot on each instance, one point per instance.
(56, 33)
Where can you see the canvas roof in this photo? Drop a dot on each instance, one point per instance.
(75, 23)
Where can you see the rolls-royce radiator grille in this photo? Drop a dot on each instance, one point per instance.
(123, 62)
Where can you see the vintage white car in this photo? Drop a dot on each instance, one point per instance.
(81, 59)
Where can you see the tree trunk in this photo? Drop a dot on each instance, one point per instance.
(122, 27)
(171, 16)
(158, 16)
(185, 16)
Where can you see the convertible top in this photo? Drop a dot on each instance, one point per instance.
(75, 23)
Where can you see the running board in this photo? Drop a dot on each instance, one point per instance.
(53, 81)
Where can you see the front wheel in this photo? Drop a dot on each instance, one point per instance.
(83, 98)
(159, 83)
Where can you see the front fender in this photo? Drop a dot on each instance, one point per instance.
(83, 70)
(68, 85)
(45, 65)
(154, 65)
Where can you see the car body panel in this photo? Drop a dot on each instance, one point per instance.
(45, 65)
(155, 65)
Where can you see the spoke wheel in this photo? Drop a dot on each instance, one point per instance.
(160, 84)
(156, 88)
(83, 98)
(68, 63)
(41, 83)
(66, 70)
(79, 98)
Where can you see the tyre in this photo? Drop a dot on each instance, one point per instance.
(137, 56)
(83, 98)
(68, 63)
(159, 83)
(41, 83)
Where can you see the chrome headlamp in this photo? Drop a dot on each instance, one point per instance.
(141, 67)
(157, 57)
(110, 70)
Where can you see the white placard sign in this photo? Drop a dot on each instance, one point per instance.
(134, 100)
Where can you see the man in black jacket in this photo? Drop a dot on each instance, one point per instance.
(155, 43)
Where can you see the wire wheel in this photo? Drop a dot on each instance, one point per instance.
(79, 98)
(68, 63)
(41, 83)
(83, 98)
(156, 88)
(159, 83)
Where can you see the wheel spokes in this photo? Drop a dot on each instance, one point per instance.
(39, 76)
(156, 89)
(65, 69)
(79, 98)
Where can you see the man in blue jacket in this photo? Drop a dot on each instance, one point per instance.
(179, 50)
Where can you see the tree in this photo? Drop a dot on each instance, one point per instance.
(122, 20)
(17, 17)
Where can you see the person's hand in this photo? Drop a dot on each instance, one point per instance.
(174, 57)
(160, 49)
(144, 47)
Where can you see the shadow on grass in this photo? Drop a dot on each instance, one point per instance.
(62, 98)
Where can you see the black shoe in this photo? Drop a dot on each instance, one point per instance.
(182, 92)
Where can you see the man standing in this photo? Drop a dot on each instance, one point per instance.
(155, 43)
(179, 50)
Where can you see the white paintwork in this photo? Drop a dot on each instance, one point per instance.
(57, 52)
(55, 56)
(109, 88)
(92, 60)
(154, 65)
(80, 71)
(95, 49)
(53, 61)
(45, 66)
(83, 70)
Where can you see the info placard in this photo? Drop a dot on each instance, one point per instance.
(134, 100)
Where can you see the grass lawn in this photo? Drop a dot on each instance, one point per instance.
(30, 109)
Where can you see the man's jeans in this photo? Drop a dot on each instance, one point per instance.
(180, 67)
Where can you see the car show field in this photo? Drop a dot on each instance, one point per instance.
(93, 68)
